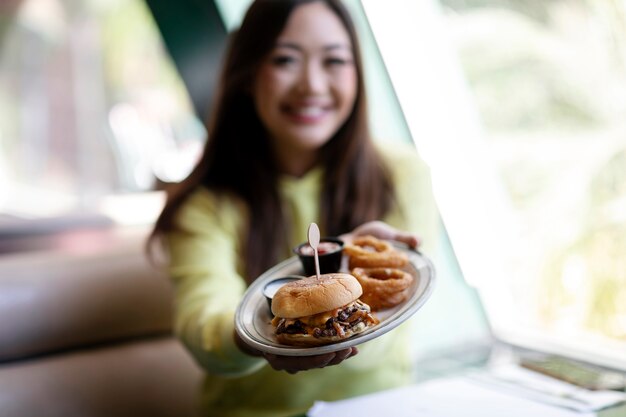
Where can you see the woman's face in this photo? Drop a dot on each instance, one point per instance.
(306, 88)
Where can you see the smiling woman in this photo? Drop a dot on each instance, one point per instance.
(307, 86)
(289, 145)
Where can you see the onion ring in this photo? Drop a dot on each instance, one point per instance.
(370, 252)
(383, 287)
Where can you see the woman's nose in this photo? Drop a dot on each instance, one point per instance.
(313, 79)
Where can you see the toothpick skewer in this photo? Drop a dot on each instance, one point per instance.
(314, 241)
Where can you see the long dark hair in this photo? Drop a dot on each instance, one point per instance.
(238, 158)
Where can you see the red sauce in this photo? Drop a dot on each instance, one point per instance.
(322, 248)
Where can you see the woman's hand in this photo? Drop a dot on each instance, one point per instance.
(294, 364)
(382, 230)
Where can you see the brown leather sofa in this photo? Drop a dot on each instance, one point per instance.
(85, 330)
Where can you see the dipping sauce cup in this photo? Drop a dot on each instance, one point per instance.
(330, 250)
(272, 286)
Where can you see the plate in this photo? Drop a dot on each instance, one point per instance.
(253, 316)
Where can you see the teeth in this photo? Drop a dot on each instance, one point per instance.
(309, 111)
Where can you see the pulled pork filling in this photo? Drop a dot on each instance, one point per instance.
(333, 323)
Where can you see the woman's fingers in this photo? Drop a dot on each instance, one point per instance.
(382, 230)
(342, 355)
(294, 364)
(409, 239)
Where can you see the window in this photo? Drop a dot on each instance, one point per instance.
(90, 106)
(518, 107)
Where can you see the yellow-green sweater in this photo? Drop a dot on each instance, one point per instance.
(206, 268)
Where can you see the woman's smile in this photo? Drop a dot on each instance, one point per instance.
(306, 113)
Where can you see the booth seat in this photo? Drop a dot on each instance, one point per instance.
(85, 330)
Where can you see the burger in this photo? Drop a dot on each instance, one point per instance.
(317, 311)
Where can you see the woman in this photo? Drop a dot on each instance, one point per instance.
(288, 145)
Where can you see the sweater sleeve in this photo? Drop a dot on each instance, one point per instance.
(204, 256)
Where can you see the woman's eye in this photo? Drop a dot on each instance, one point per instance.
(331, 62)
(281, 60)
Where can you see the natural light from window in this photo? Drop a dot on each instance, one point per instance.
(518, 107)
(91, 108)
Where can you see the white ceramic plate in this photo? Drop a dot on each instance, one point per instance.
(253, 317)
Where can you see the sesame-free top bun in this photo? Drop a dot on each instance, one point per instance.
(309, 296)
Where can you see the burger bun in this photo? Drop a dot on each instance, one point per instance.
(312, 295)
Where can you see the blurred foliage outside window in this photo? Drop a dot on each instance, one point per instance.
(549, 79)
(90, 105)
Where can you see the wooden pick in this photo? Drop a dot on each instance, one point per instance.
(314, 241)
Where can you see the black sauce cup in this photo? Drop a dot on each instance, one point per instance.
(330, 259)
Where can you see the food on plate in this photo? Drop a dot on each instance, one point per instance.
(383, 287)
(370, 252)
(316, 311)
